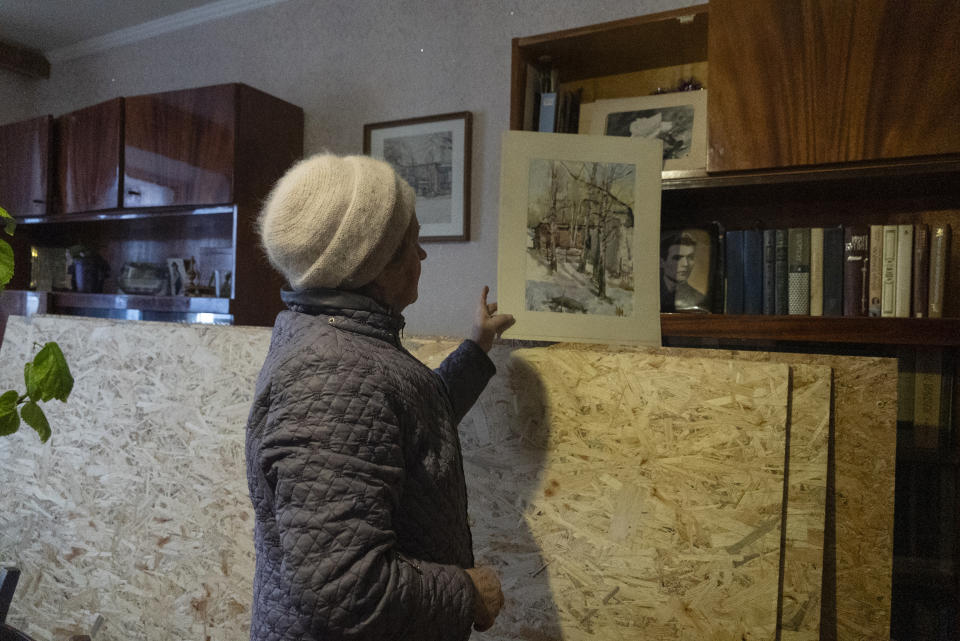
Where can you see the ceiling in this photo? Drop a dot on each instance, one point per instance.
(47, 25)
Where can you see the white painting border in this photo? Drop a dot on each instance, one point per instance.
(642, 325)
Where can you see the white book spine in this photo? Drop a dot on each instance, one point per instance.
(888, 293)
(904, 271)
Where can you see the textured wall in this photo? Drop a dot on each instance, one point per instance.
(350, 63)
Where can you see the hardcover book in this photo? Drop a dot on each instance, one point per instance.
(904, 270)
(769, 271)
(932, 398)
(875, 270)
(548, 112)
(888, 292)
(780, 270)
(752, 271)
(816, 271)
(939, 257)
(798, 268)
(856, 250)
(734, 265)
(921, 270)
(833, 271)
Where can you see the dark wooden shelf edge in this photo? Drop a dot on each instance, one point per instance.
(681, 180)
(197, 304)
(943, 332)
(126, 214)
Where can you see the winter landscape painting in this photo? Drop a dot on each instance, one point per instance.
(579, 237)
(579, 233)
(432, 154)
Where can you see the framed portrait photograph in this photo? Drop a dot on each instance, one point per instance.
(689, 270)
(678, 119)
(431, 153)
(579, 228)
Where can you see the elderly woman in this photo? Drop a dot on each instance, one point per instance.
(353, 458)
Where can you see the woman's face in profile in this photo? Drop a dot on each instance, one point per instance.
(400, 281)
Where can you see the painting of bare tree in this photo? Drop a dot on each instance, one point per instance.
(425, 161)
(432, 153)
(579, 229)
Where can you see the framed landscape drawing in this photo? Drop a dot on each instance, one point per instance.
(679, 119)
(579, 237)
(431, 153)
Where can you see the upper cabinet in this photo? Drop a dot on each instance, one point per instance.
(88, 162)
(25, 166)
(812, 82)
(179, 147)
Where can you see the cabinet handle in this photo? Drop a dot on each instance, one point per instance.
(37, 201)
(133, 192)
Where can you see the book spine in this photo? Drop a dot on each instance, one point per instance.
(875, 286)
(856, 250)
(888, 292)
(833, 271)
(734, 279)
(904, 270)
(798, 267)
(548, 111)
(921, 270)
(752, 272)
(927, 398)
(939, 256)
(780, 267)
(816, 271)
(769, 271)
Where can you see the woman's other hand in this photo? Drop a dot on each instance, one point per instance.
(488, 324)
(489, 596)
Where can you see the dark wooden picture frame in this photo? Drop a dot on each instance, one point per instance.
(432, 153)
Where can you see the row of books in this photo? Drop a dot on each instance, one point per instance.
(549, 108)
(857, 270)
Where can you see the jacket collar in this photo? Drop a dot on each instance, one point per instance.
(347, 310)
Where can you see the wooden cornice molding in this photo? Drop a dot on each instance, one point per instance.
(23, 61)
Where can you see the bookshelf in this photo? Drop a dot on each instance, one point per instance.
(789, 146)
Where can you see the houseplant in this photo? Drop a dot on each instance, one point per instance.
(46, 377)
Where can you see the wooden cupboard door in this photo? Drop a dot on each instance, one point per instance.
(803, 82)
(25, 166)
(88, 163)
(179, 147)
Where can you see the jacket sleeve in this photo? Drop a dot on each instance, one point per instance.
(465, 372)
(332, 453)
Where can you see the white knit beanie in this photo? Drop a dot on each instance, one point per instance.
(335, 221)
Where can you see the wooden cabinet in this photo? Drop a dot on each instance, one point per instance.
(25, 166)
(180, 147)
(812, 82)
(88, 157)
(179, 174)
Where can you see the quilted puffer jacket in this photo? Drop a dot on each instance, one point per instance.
(356, 477)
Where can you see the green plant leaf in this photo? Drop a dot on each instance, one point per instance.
(35, 418)
(49, 375)
(9, 419)
(9, 223)
(6, 264)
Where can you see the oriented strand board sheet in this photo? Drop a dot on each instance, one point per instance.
(632, 496)
(858, 559)
(136, 511)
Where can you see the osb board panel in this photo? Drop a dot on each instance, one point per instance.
(136, 511)
(627, 495)
(858, 561)
(807, 455)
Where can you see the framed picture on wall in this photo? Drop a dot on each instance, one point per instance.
(432, 153)
(679, 119)
(579, 234)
